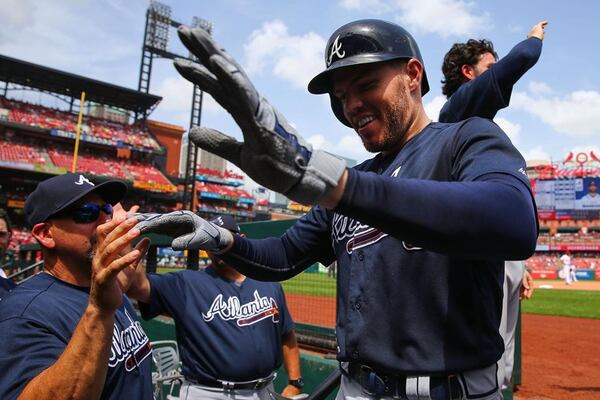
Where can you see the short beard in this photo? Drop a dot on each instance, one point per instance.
(395, 125)
(89, 256)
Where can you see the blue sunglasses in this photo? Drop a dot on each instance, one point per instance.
(86, 213)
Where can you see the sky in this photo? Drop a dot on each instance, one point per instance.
(553, 109)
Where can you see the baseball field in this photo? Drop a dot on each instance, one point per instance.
(561, 333)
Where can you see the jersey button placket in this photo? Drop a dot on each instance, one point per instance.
(361, 256)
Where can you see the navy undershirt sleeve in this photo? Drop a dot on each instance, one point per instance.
(513, 66)
(280, 258)
(492, 216)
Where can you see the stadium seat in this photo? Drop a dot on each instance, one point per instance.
(165, 355)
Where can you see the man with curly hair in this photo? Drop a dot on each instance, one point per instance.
(478, 86)
(485, 96)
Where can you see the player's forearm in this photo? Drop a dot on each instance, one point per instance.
(520, 59)
(140, 288)
(493, 218)
(265, 259)
(291, 356)
(277, 259)
(80, 372)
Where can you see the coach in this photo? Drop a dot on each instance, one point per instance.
(69, 332)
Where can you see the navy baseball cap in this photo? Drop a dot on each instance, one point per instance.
(227, 222)
(56, 194)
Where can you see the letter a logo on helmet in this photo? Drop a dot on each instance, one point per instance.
(364, 41)
(335, 51)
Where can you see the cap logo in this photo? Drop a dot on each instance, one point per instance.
(220, 221)
(335, 50)
(82, 180)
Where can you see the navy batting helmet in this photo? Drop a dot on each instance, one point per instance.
(363, 42)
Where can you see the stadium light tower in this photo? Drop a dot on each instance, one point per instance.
(156, 44)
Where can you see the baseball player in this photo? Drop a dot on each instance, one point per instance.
(477, 85)
(232, 331)
(566, 263)
(419, 231)
(573, 273)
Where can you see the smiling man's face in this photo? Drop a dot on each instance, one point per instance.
(376, 100)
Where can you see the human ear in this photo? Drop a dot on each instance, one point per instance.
(43, 234)
(467, 72)
(414, 70)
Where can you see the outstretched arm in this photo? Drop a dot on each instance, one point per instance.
(491, 217)
(489, 92)
(509, 69)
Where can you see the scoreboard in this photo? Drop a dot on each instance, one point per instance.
(577, 198)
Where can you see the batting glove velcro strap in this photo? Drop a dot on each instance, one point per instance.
(190, 232)
(273, 154)
(320, 176)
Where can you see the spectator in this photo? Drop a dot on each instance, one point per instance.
(5, 234)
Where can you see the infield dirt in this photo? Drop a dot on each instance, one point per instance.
(561, 358)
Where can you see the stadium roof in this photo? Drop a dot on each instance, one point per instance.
(60, 82)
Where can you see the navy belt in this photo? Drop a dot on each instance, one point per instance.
(257, 384)
(376, 383)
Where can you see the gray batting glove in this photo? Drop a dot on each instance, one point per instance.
(273, 154)
(189, 230)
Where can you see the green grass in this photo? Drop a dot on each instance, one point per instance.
(567, 303)
(161, 270)
(316, 284)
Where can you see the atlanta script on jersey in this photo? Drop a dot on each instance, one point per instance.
(259, 308)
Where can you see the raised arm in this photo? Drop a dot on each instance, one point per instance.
(510, 68)
(489, 92)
